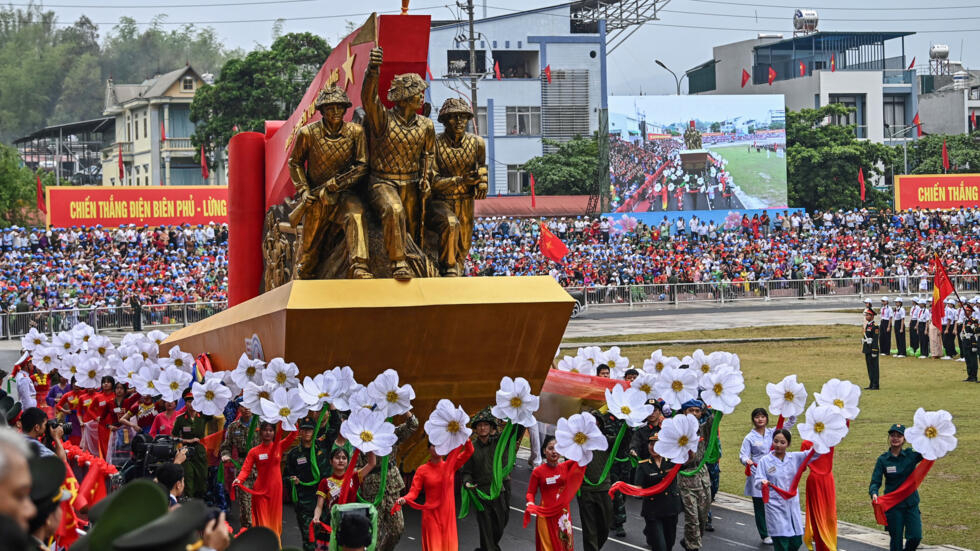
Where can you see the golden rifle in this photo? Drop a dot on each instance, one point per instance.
(296, 216)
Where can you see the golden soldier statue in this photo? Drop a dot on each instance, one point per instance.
(461, 176)
(327, 162)
(401, 144)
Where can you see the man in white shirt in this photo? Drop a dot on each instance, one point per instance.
(925, 328)
(898, 324)
(914, 324)
(26, 394)
(949, 330)
(885, 336)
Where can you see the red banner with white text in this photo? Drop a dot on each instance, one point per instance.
(937, 191)
(152, 206)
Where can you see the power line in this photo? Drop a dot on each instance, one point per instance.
(888, 8)
(146, 6)
(822, 19)
(264, 20)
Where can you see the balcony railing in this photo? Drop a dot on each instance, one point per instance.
(178, 144)
(113, 151)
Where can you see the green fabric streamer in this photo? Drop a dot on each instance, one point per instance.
(313, 462)
(468, 496)
(381, 487)
(713, 450)
(609, 460)
(506, 446)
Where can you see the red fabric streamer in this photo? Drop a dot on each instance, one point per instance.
(791, 492)
(820, 530)
(348, 489)
(893, 498)
(575, 476)
(637, 491)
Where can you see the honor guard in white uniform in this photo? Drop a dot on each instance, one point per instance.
(914, 324)
(885, 336)
(949, 329)
(898, 325)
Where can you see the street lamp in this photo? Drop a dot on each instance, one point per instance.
(677, 80)
(905, 143)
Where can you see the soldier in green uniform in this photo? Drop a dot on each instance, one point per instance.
(390, 527)
(305, 464)
(234, 448)
(594, 504)
(47, 475)
(870, 348)
(968, 343)
(189, 429)
(696, 488)
(477, 474)
(895, 465)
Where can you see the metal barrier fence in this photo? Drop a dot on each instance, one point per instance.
(722, 292)
(18, 324)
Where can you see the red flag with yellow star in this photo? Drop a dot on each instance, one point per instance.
(552, 247)
(942, 288)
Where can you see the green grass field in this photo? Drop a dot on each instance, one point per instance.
(758, 176)
(949, 493)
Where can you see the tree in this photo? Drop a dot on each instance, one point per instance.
(926, 153)
(823, 161)
(571, 170)
(716, 127)
(265, 85)
(18, 188)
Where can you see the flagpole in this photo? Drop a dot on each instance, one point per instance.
(939, 265)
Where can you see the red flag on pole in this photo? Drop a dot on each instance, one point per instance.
(122, 173)
(745, 77)
(496, 70)
(802, 69)
(912, 65)
(973, 119)
(551, 247)
(772, 75)
(942, 287)
(533, 203)
(40, 196)
(547, 73)
(204, 165)
(163, 132)
(917, 124)
(833, 63)
(945, 156)
(428, 71)
(861, 181)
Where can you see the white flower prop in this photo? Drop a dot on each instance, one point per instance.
(229, 382)
(726, 358)
(281, 373)
(390, 398)
(33, 340)
(578, 436)
(89, 374)
(132, 339)
(657, 362)
(156, 336)
(64, 342)
(359, 398)
(82, 333)
(576, 364)
(145, 380)
(628, 405)
(593, 354)
(253, 394)
(172, 383)
(787, 398)
(515, 402)
(318, 390)
(368, 431)
(285, 406)
(148, 349)
(45, 358)
(127, 351)
(180, 360)
(616, 362)
(211, 397)
(127, 369)
(722, 387)
(702, 363)
(447, 428)
(676, 386)
(646, 383)
(247, 371)
(101, 346)
(932, 433)
(678, 437)
(825, 426)
(843, 395)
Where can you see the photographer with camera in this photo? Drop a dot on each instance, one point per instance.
(43, 435)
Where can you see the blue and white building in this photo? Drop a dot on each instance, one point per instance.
(517, 112)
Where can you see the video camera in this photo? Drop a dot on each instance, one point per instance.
(149, 454)
(368, 520)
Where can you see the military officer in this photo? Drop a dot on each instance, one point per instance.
(326, 165)
(304, 465)
(870, 348)
(885, 333)
(594, 504)
(898, 327)
(234, 448)
(968, 342)
(461, 177)
(695, 488)
(895, 465)
(477, 474)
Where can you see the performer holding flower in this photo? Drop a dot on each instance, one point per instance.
(895, 465)
(552, 533)
(755, 446)
(659, 511)
(780, 468)
(266, 458)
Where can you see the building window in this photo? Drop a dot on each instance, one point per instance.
(895, 126)
(145, 133)
(524, 121)
(516, 179)
(458, 62)
(481, 122)
(517, 64)
(129, 137)
(188, 84)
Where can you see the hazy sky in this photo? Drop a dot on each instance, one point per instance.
(682, 38)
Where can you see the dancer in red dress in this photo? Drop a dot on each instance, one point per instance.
(554, 533)
(267, 490)
(437, 478)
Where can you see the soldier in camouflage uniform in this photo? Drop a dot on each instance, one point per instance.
(402, 144)
(695, 489)
(461, 177)
(390, 527)
(299, 469)
(594, 504)
(477, 474)
(235, 446)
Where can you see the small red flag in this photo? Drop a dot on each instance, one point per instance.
(861, 181)
(745, 77)
(204, 165)
(533, 202)
(833, 63)
(912, 65)
(428, 71)
(772, 75)
(547, 73)
(945, 156)
(121, 170)
(942, 287)
(163, 132)
(973, 119)
(917, 124)
(496, 70)
(663, 196)
(802, 69)
(40, 196)
(551, 247)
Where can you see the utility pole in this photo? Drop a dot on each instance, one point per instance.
(473, 75)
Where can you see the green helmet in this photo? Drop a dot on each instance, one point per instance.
(405, 86)
(333, 95)
(454, 106)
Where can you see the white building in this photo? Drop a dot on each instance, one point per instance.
(816, 69)
(518, 111)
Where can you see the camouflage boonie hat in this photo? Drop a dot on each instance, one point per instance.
(405, 86)
(484, 416)
(332, 96)
(453, 106)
